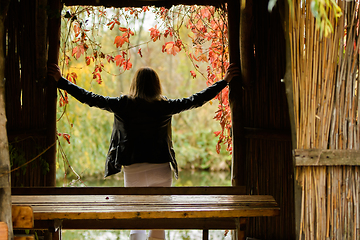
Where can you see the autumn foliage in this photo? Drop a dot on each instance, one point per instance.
(208, 35)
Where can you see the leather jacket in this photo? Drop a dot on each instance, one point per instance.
(141, 130)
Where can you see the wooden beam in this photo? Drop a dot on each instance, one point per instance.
(326, 157)
(130, 3)
(121, 224)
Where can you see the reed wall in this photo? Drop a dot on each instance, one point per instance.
(325, 88)
(26, 105)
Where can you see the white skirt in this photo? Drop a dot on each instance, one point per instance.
(148, 175)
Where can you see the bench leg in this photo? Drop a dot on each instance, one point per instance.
(51, 234)
(205, 234)
(239, 232)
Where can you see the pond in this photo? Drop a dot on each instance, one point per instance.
(186, 178)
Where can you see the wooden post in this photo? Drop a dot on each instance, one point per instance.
(53, 56)
(284, 12)
(235, 99)
(5, 180)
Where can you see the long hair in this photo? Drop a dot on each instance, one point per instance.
(146, 85)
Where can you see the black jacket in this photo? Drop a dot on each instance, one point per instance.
(142, 130)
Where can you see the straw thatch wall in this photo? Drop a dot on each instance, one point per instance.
(325, 89)
(269, 167)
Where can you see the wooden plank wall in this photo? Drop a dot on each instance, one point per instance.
(269, 167)
(25, 90)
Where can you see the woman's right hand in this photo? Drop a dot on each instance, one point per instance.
(232, 71)
(54, 71)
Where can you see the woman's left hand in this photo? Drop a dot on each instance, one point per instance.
(54, 71)
(232, 71)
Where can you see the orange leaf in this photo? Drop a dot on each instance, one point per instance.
(193, 74)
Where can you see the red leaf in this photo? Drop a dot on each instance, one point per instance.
(72, 77)
(119, 60)
(171, 48)
(78, 51)
(88, 60)
(139, 52)
(120, 40)
(127, 65)
(193, 74)
(154, 33)
(63, 99)
(109, 58)
(65, 136)
(97, 76)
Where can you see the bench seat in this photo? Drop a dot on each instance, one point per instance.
(146, 208)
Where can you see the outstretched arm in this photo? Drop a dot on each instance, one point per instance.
(198, 99)
(93, 100)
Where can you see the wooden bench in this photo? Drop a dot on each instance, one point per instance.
(143, 208)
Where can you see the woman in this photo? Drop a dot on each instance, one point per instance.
(141, 137)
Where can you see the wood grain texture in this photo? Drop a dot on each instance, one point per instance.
(22, 217)
(148, 206)
(326, 157)
(3, 230)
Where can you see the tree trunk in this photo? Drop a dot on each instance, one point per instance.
(5, 180)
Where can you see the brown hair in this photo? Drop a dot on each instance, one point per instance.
(146, 85)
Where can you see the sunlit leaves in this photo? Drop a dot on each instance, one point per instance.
(208, 45)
